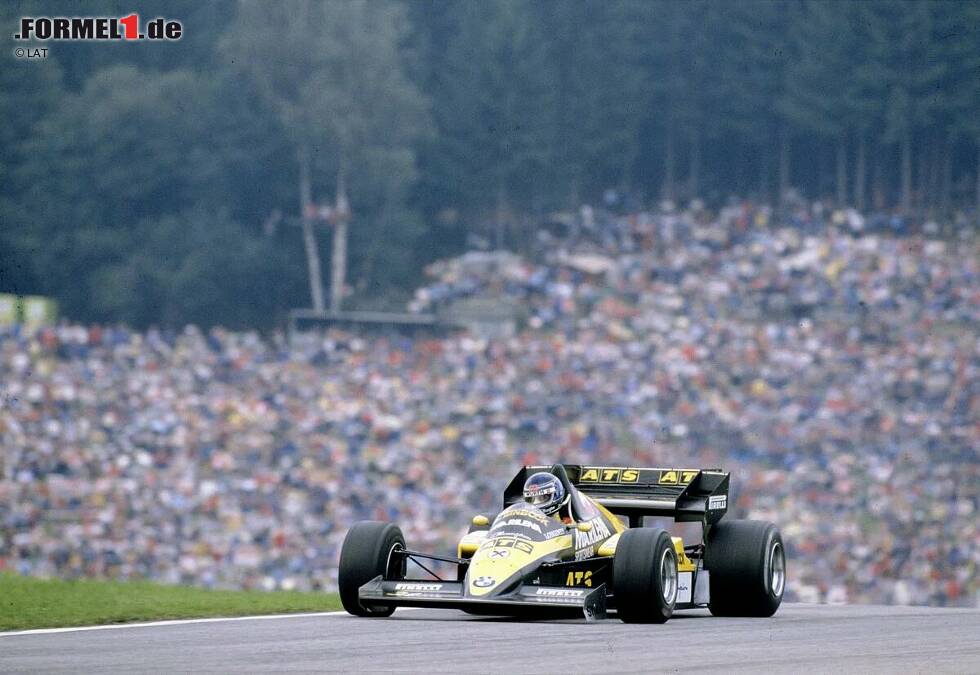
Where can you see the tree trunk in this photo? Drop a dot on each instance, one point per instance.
(668, 188)
(946, 169)
(921, 197)
(859, 172)
(824, 160)
(379, 240)
(309, 236)
(906, 196)
(338, 261)
(764, 195)
(842, 171)
(501, 212)
(574, 189)
(784, 161)
(977, 213)
(694, 170)
(936, 170)
(629, 163)
(878, 196)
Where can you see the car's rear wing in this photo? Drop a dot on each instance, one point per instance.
(686, 495)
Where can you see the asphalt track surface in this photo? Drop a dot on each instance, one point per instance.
(800, 638)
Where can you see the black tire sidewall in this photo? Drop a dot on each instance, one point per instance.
(637, 586)
(365, 554)
(738, 556)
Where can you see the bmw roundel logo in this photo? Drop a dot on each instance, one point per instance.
(484, 582)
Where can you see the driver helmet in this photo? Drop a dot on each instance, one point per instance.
(545, 491)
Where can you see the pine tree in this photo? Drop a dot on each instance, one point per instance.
(496, 112)
(760, 52)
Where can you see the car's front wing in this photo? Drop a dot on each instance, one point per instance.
(591, 602)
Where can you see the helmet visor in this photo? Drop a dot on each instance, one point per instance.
(539, 496)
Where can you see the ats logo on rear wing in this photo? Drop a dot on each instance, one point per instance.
(599, 474)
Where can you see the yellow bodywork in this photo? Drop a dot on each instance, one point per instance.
(608, 547)
(684, 564)
(497, 558)
(501, 557)
(470, 543)
(616, 522)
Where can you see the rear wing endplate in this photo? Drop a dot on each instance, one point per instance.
(686, 495)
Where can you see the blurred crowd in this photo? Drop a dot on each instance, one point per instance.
(829, 362)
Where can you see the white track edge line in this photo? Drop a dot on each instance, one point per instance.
(179, 622)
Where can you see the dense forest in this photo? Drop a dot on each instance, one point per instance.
(163, 183)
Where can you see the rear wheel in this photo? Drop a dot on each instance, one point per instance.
(365, 554)
(645, 576)
(747, 563)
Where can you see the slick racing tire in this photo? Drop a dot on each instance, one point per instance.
(645, 576)
(747, 563)
(365, 554)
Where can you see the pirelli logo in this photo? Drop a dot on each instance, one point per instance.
(607, 475)
(559, 592)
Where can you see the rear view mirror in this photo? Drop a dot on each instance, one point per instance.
(481, 521)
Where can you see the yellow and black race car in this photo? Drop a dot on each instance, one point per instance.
(598, 558)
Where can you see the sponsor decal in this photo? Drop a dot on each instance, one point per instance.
(718, 502)
(684, 587)
(526, 513)
(517, 522)
(560, 592)
(585, 553)
(413, 589)
(554, 533)
(579, 579)
(418, 587)
(522, 544)
(599, 532)
(677, 476)
(598, 474)
(484, 582)
(498, 553)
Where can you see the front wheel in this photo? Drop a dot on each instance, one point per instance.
(366, 553)
(645, 576)
(747, 563)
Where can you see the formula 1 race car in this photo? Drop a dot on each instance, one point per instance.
(525, 562)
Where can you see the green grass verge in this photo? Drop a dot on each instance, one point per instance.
(49, 603)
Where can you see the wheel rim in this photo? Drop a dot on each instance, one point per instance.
(777, 569)
(397, 546)
(668, 576)
(391, 551)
